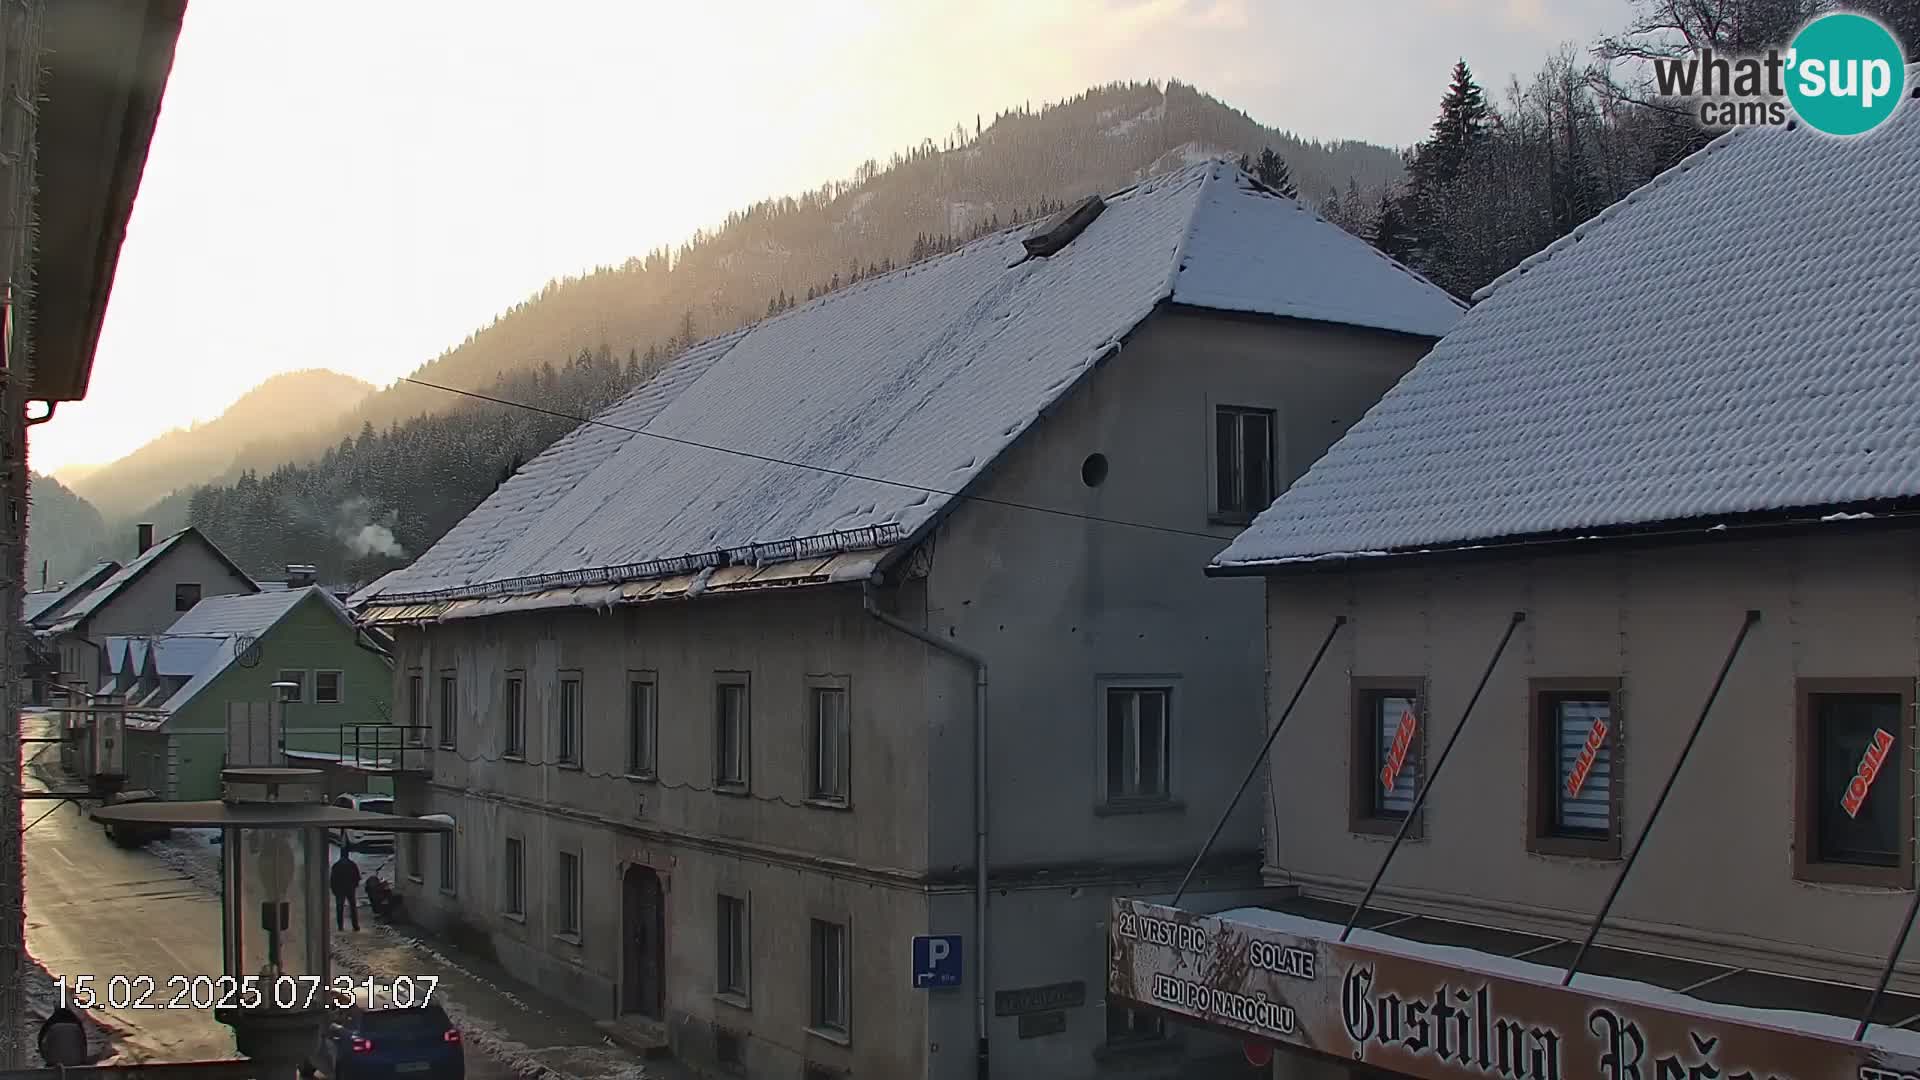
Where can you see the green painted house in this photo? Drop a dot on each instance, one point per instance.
(225, 664)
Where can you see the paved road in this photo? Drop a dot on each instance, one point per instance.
(95, 909)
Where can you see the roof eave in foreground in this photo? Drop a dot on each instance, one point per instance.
(1659, 534)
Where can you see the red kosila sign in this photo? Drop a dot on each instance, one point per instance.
(1397, 753)
(1596, 738)
(1867, 773)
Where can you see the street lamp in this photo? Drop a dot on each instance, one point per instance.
(276, 985)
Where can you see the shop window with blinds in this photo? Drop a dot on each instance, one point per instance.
(1855, 782)
(1577, 767)
(1389, 752)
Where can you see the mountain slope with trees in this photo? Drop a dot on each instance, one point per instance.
(1494, 182)
(65, 533)
(184, 457)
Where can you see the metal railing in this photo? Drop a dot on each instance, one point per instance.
(398, 747)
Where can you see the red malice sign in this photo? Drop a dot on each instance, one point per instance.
(1869, 771)
(1596, 738)
(1397, 753)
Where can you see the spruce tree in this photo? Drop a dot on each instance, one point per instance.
(1390, 233)
(1463, 119)
(1272, 172)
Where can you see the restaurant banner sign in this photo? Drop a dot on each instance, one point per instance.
(1440, 1022)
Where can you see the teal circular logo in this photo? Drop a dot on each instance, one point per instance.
(1846, 74)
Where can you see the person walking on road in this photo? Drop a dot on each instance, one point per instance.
(346, 882)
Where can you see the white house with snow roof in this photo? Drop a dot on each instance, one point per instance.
(144, 597)
(883, 617)
(1633, 552)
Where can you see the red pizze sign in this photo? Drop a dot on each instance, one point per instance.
(1596, 738)
(1397, 753)
(1867, 773)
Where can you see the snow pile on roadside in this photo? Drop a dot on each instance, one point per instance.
(189, 856)
(551, 1063)
(200, 862)
(428, 951)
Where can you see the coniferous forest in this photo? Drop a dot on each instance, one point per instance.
(1504, 172)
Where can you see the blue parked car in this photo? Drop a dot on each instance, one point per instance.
(391, 1044)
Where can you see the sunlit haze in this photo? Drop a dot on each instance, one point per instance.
(360, 186)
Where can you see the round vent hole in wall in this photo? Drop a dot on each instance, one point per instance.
(1093, 471)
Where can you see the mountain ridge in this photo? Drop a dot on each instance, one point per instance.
(1025, 161)
(199, 453)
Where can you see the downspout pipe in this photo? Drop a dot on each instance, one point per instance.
(979, 663)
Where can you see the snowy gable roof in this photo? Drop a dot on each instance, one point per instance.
(920, 378)
(32, 604)
(43, 608)
(241, 613)
(126, 575)
(1739, 336)
(183, 656)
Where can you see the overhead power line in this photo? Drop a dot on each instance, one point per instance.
(826, 470)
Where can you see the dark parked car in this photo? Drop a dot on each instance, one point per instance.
(391, 1044)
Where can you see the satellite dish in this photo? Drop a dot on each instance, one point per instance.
(248, 647)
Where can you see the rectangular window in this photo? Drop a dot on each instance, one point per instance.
(1243, 461)
(567, 726)
(416, 709)
(1855, 820)
(1577, 767)
(731, 731)
(515, 725)
(643, 721)
(449, 863)
(295, 690)
(1389, 753)
(513, 877)
(1138, 742)
(830, 1005)
(731, 977)
(326, 687)
(567, 895)
(449, 703)
(830, 739)
(185, 595)
(416, 861)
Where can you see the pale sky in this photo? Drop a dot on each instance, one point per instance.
(360, 185)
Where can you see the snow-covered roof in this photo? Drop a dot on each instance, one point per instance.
(225, 651)
(183, 656)
(1739, 336)
(32, 604)
(207, 640)
(41, 608)
(124, 651)
(920, 377)
(370, 590)
(241, 613)
(127, 574)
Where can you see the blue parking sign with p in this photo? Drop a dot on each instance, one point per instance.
(936, 961)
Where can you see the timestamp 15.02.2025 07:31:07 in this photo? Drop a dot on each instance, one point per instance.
(137, 992)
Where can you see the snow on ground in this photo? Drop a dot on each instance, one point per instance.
(856, 213)
(196, 853)
(417, 945)
(1120, 129)
(39, 997)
